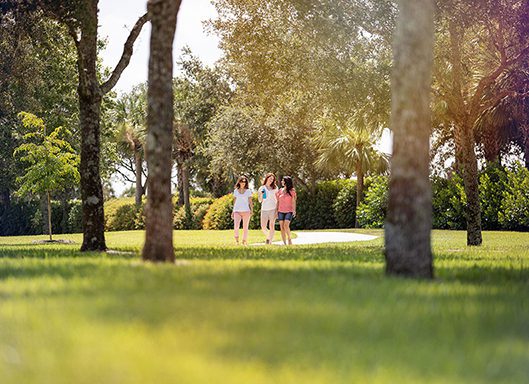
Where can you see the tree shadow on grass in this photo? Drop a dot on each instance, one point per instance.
(335, 311)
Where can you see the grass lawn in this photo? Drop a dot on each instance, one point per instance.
(226, 314)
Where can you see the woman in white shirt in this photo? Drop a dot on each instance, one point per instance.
(242, 209)
(268, 199)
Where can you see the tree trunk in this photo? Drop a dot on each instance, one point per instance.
(180, 177)
(43, 205)
(185, 186)
(90, 97)
(359, 189)
(159, 218)
(49, 214)
(464, 139)
(138, 159)
(409, 220)
(469, 172)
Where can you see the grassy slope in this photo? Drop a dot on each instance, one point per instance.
(304, 314)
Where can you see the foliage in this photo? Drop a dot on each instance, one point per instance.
(218, 215)
(492, 187)
(448, 203)
(195, 218)
(315, 209)
(372, 211)
(52, 161)
(514, 213)
(344, 206)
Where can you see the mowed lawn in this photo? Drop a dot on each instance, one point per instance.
(226, 314)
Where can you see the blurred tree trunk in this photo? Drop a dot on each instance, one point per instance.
(409, 220)
(159, 215)
(138, 160)
(359, 188)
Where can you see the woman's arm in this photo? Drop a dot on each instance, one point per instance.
(294, 198)
(232, 210)
(251, 204)
(260, 195)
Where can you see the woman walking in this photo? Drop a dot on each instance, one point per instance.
(286, 207)
(242, 209)
(267, 196)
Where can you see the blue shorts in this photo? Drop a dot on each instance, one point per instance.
(281, 216)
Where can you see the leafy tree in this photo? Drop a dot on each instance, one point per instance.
(80, 18)
(130, 130)
(52, 163)
(350, 150)
(478, 44)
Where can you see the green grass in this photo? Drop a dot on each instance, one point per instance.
(226, 314)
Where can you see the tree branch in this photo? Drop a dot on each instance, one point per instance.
(127, 53)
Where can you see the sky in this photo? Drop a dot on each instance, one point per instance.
(117, 17)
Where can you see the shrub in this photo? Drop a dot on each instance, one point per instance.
(492, 184)
(513, 213)
(344, 206)
(372, 211)
(448, 202)
(218, 215)
(315, 210)
(195, 218)
(124, 219)
(75, 217)
(16, 219)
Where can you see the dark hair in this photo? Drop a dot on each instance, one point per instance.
(288, 184)
(269, 175)
(240, 180)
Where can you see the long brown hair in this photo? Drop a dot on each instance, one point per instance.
(240, 180)
(269, 175)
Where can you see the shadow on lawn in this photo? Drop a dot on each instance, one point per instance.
(337, 312)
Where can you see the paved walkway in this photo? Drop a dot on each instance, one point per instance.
(324, 237)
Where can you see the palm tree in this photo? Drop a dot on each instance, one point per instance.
(131, 133)
(349, 150)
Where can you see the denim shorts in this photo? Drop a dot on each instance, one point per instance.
(281, 216)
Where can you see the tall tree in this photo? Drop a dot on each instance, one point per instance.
(409, 218)
(159, 216)
(80, 17)
(479, 44)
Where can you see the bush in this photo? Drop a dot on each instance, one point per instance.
(75, 217)
(17, 218)
(218, 215)
(195, 218)
(372, 211)
(344, 206)
(448, 203)
(513, 213)
(315, 210)
(492, 184)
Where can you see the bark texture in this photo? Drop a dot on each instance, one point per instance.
(159, 215)
(359, 189)
(90, 97)
(409, 220)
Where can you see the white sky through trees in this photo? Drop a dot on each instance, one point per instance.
(117, 17)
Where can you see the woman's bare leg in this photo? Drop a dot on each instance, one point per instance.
(283, 235)
(286, 226)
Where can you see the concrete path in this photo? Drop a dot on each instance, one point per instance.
(324, 237)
